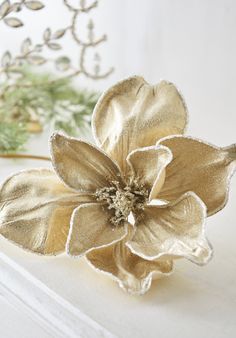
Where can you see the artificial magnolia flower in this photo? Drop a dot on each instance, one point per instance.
(88, 207)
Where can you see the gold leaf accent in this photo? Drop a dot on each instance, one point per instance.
(63, 63)
(54, 46)
(4, 8)
(25, 46)
(47, 34)
(34, 5)
(6, 59)
(59, 34)
(13, 22)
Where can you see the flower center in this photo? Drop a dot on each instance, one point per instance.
(123, 201)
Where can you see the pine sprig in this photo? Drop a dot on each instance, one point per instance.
(13, 136)
(43, 100)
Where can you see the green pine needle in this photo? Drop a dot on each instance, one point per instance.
(53, 102)
(13, 136)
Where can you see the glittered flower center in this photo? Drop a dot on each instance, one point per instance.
(123, 200)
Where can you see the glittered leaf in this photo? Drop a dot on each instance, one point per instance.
(59, 34)
(6, 59)
(63, 63)
(4, 8)
(13, 22)
(47, 34)
(54, 46)
(34, 5)
(25, 46)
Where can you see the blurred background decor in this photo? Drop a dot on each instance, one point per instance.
(192, 44)
(36, 84)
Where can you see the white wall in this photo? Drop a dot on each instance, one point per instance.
(189, 42)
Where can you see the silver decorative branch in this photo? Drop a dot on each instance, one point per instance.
(33, 54)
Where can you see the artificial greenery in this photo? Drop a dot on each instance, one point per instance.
(12, 137)
(37, 100)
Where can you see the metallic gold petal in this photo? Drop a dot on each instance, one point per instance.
(175, 230)
(133, 114)
(148, 166)
(91, 228)
(133, 273)
(35, 210)
(198, 167)
(82, 166)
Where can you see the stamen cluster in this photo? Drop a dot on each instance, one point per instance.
(123, 200)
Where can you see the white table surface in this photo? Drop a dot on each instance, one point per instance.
(193, 302)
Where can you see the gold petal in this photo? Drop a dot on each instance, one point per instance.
(176, 230)
(133, 114)
(148, 166)
(133, 273)
(198, 167)
(35, 210)
(82, 166)
(91, 228)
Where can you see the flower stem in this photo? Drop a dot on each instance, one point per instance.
(25, 156)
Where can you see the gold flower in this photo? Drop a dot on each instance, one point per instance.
(144, 167)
